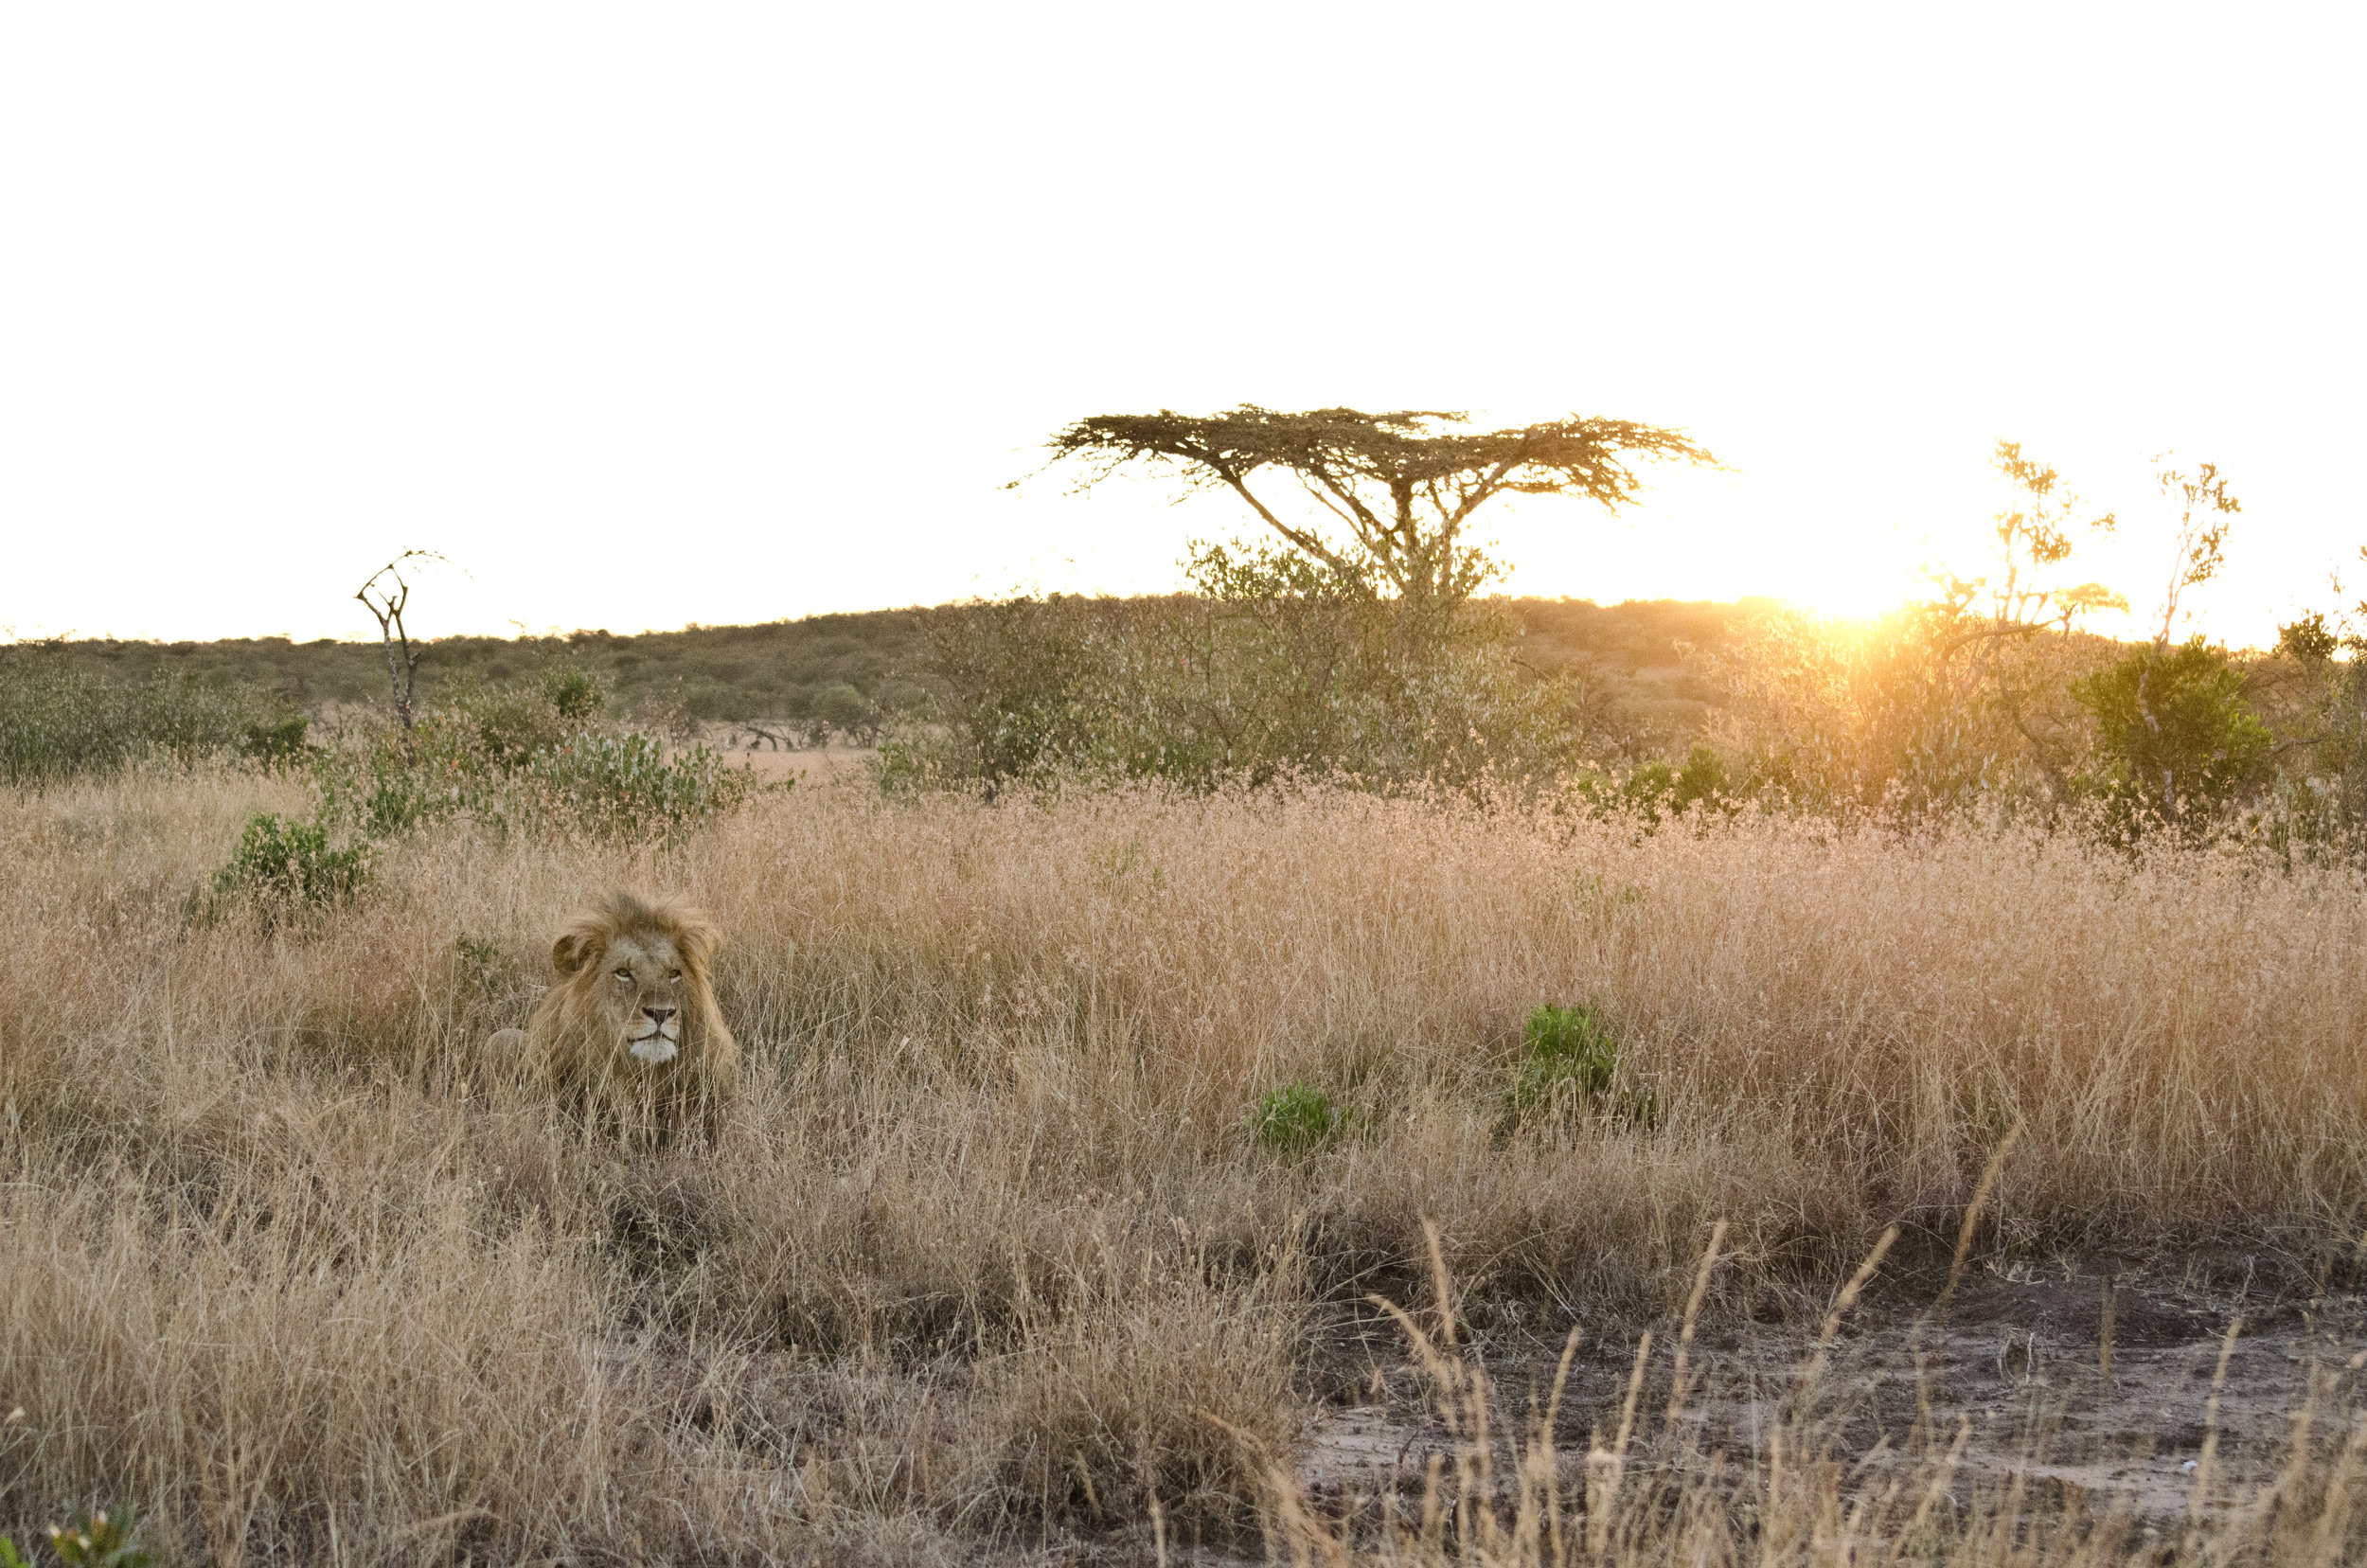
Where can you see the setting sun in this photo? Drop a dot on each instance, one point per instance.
(808, 288)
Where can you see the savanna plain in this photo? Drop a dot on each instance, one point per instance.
(1145, 1174)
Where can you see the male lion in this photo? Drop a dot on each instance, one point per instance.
(631, 1032)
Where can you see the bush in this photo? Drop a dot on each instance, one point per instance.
(276, 741)
(573, 693)
(58, 724)
(395, 780)
(1569, 1054)
(2176, 738)
(1656, 789)
(622, 787)
(526, 758)
(1296, 1116)
(1275, 667)
(1918, 710)
(289, 863)
(840, 707)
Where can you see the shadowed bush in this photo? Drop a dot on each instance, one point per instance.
(57, 722)
(1275, 666)
(289, 866)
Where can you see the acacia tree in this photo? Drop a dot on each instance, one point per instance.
(1404, 484)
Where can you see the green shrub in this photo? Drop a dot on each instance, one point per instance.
(394, 781)
(573, 693)
(276, 741)
(849, 712)
(1296, 1116)
(1656, 789)
(623, 787)
(289, 863)
(526, 758)
(1569, 1054)
(57, 723)
(102, 1539)
(1275, 667)
(2177, 740)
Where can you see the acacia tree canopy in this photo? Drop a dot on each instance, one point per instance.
(1405, 483)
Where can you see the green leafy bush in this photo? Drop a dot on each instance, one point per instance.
(276, 741)
(1656, 789)
(2177, 739)
(1275, 666)
(840, 707)
(573, 693)
(526, 758)
(623, 787)
(1295, 1116)
(391, 782)
(1568, 1053)
(57, 722)
(289, 863)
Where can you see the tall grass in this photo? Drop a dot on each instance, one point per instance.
(288, 1259)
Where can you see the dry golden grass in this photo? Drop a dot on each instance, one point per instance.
(987, 1252)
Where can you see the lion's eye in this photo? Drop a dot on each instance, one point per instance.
(624, 975)
(673, 974)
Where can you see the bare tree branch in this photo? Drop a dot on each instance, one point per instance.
(402, 660)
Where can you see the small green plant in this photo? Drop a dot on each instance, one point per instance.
(100, 1539)
(477, 965)
(289, 863)
(1569, 1053)
(1297, 1116)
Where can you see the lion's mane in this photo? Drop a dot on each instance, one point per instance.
(574, 1050)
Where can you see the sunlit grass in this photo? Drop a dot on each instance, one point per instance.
(290, 1262)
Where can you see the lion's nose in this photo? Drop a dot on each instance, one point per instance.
(659, 1015)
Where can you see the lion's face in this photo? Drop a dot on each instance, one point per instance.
(635, 980)
(630, 1034)
(640, 994)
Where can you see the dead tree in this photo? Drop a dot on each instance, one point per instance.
(402, 660)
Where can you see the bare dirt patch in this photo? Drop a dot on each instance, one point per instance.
(2017, 1364)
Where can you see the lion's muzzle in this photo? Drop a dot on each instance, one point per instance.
(662, 1040)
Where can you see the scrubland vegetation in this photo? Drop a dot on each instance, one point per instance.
(1273, 1072)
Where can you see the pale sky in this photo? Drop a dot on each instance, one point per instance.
(655, 314)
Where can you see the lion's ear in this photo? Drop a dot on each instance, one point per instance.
(577, 946)
(698, 939)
